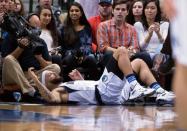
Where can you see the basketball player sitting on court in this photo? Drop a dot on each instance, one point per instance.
(116, 85)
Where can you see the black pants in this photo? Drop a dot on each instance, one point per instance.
(88, 67)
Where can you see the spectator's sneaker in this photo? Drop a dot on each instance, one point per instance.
(140, 91)
(165, 98)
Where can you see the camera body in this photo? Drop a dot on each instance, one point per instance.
(19, 27)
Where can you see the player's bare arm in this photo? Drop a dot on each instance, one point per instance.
(49, 96)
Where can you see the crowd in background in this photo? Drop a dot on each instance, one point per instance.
(83, 38)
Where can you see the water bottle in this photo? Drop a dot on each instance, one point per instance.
(17, 96)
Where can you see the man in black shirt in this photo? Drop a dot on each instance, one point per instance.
(19, 55)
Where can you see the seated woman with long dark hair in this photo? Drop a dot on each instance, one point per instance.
(76, 42)
(152, 31)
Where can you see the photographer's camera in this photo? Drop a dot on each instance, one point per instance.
(17, 26)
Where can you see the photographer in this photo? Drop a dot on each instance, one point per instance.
(20, 54)
(8, 6)
(4, 6)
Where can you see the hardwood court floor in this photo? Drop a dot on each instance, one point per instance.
(86, 118)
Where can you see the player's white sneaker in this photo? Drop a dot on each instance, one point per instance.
(165, 97)
(139, 91)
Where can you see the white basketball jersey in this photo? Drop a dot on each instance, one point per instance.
(81, 91)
